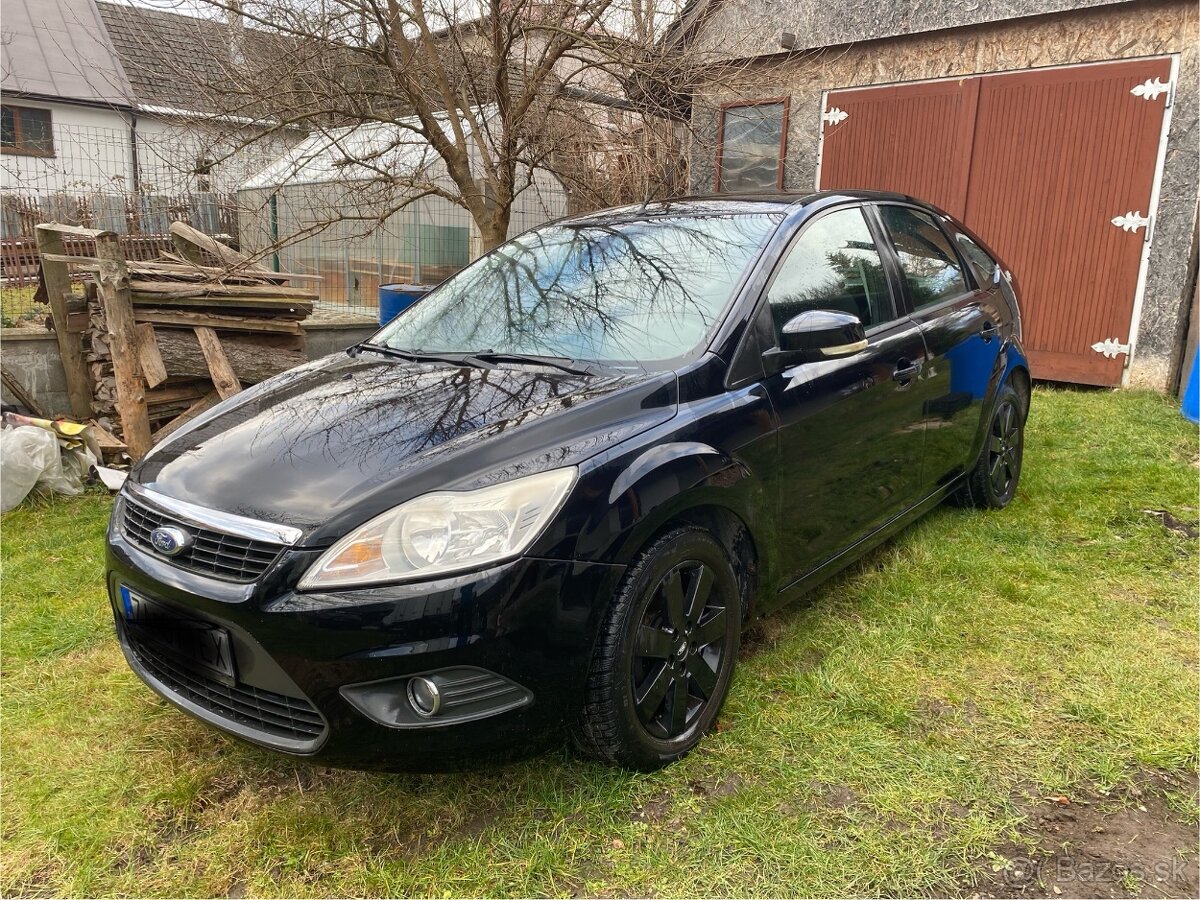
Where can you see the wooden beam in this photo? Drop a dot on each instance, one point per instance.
(259, 306)
(275, 305)
(73, 230)
(57, 282)
(189, 242)
(177, 393)
(23, 396)
(152, 363)
(186, 319)
(184, 269)
(206, 402)
(113, 286)
(254, 357)
(279, 292)
(109, 443)
(223, 377)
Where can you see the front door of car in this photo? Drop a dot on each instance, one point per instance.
(850, 436)
(961, 319)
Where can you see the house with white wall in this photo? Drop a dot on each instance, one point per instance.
(104, 117)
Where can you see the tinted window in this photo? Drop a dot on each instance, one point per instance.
(984, 266)
(641, 290)
(930, 265)
(834, 265)
(751, 147)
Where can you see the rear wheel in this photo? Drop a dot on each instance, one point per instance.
(993, 482)
(666, 653)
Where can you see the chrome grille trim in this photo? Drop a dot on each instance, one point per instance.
(227, 523)
(213, 553)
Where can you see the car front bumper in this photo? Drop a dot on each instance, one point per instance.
(325, 675)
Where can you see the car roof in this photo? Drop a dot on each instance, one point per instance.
(718, 204)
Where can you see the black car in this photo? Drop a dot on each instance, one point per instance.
(550, 495)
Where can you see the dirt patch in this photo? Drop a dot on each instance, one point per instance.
(655, 809)
(835, 796)
(1171, 523)
(1128, 843)
(724, 787)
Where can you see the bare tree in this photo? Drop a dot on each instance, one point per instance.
(492, 91)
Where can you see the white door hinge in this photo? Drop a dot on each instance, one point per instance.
(1111, 348)
(1132, 221)
(1153, 88)
(835, 115)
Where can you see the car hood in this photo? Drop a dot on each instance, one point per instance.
(328, 445)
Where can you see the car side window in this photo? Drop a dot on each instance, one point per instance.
(986, 269)
(833, 265)
(930, 265)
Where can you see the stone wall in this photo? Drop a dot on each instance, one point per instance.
(1152, 28)
(734, 29)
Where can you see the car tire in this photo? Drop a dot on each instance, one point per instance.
(992, 483)
(665, 655)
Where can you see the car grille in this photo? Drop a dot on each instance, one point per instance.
(272, 714)
(214, 553)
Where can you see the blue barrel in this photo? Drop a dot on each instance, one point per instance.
(396, 298)
(1191, 394)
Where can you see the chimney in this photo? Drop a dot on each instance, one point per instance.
(236, 25)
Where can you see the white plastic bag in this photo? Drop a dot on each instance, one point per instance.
(30, 458)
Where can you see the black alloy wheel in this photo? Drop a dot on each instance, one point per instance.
(679, 649)
(992, 484)
(665, 655)
(1004, 449)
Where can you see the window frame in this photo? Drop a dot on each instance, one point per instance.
(753, 340)
(18, 149)
(968, 273)
(786, 102)
(897, 312)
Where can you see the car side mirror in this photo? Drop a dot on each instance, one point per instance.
(818, 334)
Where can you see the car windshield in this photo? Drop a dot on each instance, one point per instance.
(639, 290)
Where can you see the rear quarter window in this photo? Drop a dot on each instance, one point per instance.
(986, 269)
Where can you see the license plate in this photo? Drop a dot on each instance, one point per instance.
(191, 642)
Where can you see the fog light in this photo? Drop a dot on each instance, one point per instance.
(424, 696)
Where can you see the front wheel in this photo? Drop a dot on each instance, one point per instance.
(665, 657)
(993, 482)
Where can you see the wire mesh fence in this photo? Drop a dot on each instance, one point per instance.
(136, 182)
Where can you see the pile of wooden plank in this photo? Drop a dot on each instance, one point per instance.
(149, 345)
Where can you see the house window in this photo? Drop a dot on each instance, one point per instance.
(24, 129)
(752, 146)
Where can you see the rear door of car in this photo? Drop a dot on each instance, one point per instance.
(850, 428)
(961, 320)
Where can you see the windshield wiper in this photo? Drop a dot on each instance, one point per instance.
(483, 359)
(565, 364)
(454, 359)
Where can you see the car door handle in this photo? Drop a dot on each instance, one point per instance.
(906, 371)
(988, 331)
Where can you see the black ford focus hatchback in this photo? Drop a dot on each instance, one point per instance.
(549, 496)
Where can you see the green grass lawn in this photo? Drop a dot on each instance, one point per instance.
(878, 739)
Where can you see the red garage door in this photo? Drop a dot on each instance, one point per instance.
(1039, 163)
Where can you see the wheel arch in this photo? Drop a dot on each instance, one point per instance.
(727, 526)
(1023, 383)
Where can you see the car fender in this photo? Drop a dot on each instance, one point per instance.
(1012, 357)
(672, 482)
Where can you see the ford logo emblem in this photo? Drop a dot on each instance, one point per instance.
(170, 541)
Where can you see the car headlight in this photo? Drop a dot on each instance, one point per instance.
(443, 532)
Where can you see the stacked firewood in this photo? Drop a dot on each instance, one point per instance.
(175, 335)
